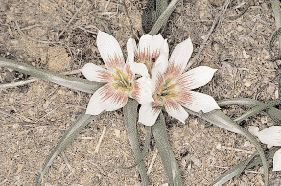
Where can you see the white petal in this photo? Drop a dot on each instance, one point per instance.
(142, 91)
(106, 98)
(96, 73)
(182, 53)
(139, 68)
(277, 161)
(271, 136)
(131, 48)
(94, 106)
(166, 48)
(253, 130)
(177, 112)
(160, 65)
(109, 48)
(148, 115)
(196, 77)
(201, 102)
(153, 43)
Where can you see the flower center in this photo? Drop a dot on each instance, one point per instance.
(121, 81)
(167, 90)
(148, 58)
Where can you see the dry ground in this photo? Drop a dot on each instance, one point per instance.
(60, 35)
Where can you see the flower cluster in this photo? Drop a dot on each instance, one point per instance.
(149, 77)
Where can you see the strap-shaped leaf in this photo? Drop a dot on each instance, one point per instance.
(250, 162)
(274, 113)
(130, 120)
(258, 108)
(69, 82)
(236, 170)
(67, 138)
(162, 20)
(148, 17)
(167, 156)
(145, 148)
(218, 118)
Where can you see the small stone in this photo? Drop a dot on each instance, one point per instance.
(117, 133)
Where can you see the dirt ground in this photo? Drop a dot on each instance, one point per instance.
(60, 35)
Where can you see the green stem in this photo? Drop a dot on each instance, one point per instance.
(130, 119)
(69, 82)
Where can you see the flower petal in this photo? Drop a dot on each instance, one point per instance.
(131, 48)
(196, 101)
(182, 53)
(253, 130)
(96, 73)
(106, 98)
(277, 161)
(270, 136)
(148, 115)
(139, 68)
(110, 50)
(196, 77)
(142, 91)
(153, 44)
(176, 110)
(160, 65)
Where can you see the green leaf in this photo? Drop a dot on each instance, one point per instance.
(69, 82)
(258, 108)
(67, 138)
(130, 120)
(236, 170)
(167, 156)
(274, 113)
(144, 151)
(161, 6)
(218, 118)
(148, 17)
(163, 18)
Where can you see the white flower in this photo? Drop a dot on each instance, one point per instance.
(270, 136)
(170, 86)
(148, 55)
(119, 78)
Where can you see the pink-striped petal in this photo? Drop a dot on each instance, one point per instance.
(176, 110)
(277, 161)
(160, 65)
(196, 101)
(110, 50)
(132, 49)
(142, 91)
(154, 44)
(148, 115)
(96, 73)
(196, 77)
(181, 54)
(106, 98)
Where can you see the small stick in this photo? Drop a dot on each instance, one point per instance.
(202, 46)
(100, 140)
